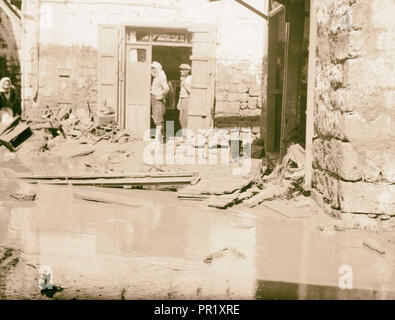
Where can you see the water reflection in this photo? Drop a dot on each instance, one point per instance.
(158, 250)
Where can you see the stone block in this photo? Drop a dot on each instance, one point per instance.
(252, 103)
(337, 157)
(243, 105)
(361, 197)
(327, 186)
(233, 97)
(254, 91)
(227, 109)
(245, 97)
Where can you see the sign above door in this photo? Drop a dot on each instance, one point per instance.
(158, 36)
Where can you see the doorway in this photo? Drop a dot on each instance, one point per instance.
(287, 75)
(170, 57)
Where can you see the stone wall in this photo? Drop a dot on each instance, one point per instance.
(68, 39)
(354, 142)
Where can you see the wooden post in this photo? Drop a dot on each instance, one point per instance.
(310, 96)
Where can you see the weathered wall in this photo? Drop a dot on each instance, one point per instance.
(68, 39)
(354, 143)
(10, 32)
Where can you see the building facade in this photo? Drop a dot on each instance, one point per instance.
(322, 70)
(101, 51)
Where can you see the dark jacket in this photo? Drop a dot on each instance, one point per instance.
(12, 102)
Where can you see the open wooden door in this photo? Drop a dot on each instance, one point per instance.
(275, 78)
(138, 87)
(108, 53)
(201, 103)
(295, 13)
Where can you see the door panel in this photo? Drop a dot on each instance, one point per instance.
(138, 86)
(201, 103)
(108, 40)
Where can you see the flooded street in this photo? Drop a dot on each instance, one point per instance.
(164, 248)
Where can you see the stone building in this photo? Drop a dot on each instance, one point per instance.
(346, 111)
(316, 72)
(354, 105)
(101, 52)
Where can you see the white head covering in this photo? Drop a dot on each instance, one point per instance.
(2, 83)
(157, 66)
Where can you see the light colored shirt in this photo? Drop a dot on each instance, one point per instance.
(159, 86)
(185, 87)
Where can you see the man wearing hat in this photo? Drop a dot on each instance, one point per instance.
(185, 92)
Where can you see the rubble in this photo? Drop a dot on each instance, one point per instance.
(81, 125)
(278, 180)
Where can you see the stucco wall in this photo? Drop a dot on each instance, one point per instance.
(354, 143)
(68, 31)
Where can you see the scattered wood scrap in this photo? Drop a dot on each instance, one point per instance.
(374, 245)
(104, 199)
(23, 196)
(270, 192)
(220, 192)
(16, 133)
(223, 201)
(83, 153)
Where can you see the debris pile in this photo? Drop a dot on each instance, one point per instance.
(283, 180)
(81, 124)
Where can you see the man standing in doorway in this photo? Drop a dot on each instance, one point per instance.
(159, 90)
(185, 92)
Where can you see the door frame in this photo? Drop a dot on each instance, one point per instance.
(121, 117)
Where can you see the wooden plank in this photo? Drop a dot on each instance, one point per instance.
(310, 97)
(101, 198)
(119, 182)
(107, 176)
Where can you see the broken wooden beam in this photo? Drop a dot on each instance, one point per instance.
(143, 179)
(107, 176)
(119, 182)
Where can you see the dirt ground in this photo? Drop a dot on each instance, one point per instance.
(167, 248)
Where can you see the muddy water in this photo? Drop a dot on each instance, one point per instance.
(159, 249)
